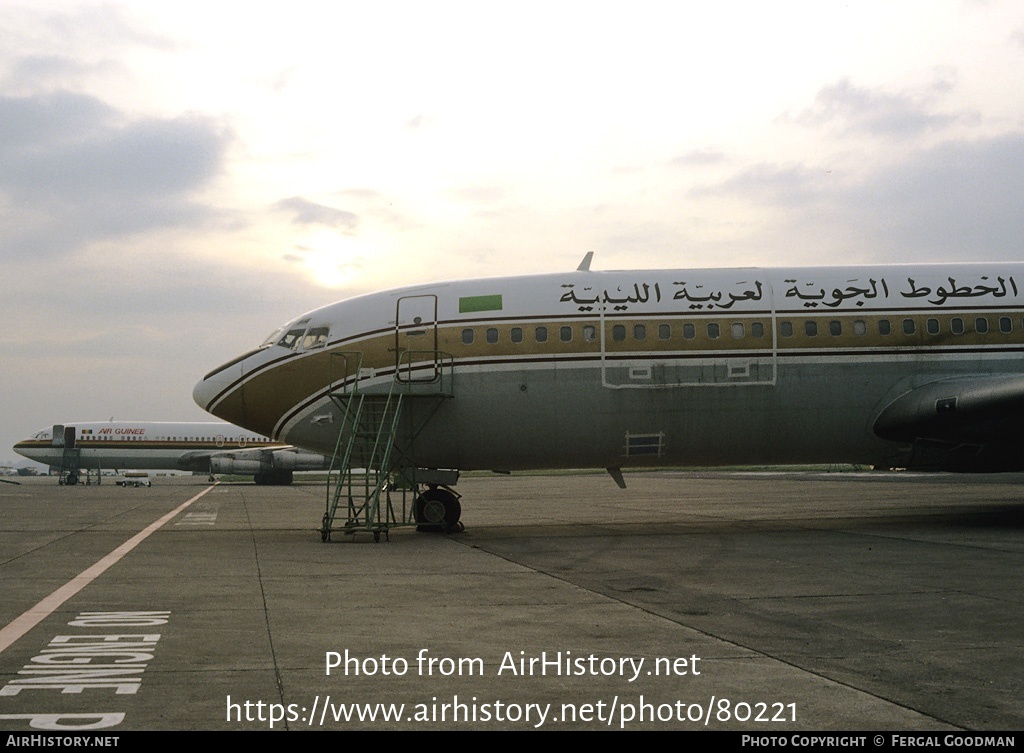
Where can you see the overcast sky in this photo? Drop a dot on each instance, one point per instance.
(178, 179)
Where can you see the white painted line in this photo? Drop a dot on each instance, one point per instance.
(51, 603)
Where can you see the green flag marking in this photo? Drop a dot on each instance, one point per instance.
(479, 303)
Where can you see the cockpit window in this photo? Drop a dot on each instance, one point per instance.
(291, 338)
(272, 337)
(316, 337)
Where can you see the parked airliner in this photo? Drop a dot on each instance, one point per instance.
(892, 366)
(209, 447)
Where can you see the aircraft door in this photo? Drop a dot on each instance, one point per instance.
(416, 356)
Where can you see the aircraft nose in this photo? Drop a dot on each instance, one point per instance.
(212, 386)
(203, 393)
(220, 392)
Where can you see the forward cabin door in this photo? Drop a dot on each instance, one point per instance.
(416, 356)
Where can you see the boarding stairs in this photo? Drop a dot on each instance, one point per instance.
(70, 467)
(373, 481)
(70, 470)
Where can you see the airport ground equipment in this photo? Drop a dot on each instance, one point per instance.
(70, 470)
(374, 484)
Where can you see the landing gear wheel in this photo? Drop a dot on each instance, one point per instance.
(325, 532)
(438, 511)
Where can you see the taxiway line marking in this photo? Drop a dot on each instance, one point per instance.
(29, 619)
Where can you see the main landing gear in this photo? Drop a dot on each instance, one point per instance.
(273, 478)
(438, 511)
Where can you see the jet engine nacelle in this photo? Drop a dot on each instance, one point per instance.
(235, 466)
(296, 460)
(264, 461)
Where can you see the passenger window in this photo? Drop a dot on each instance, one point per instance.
(714, 330)
(541, 334)
(689, 331)
(908, 327)
(932, 326)
(884, 327)
(811, 329)
(835, 328)
(981, 325)
(1005, 325)
(516, 334)
(664, 332)
(467, 337)
(757, 329)
(492, 335)
(737, 330)
(956, 325)
(786, 329)
(565, 334)
(619, 333)
(639, 332)
(860, 328)
(589, 333)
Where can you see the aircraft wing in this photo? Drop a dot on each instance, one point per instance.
(256, 460)
(982, 413)
(198, 460)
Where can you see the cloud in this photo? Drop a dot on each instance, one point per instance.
(305, 212)
(853, 108)
(51, 71)
(39, 124)
(74, 170)
(479, 194)
(788, 185)
(958, 200)
(419, 121)
(699, 158)
(106, 24)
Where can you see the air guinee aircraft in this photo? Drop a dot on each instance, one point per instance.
(209, 447)
(915, 366)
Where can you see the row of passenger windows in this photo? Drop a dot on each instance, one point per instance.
(932, 326)
(740, 330)
(135, 438)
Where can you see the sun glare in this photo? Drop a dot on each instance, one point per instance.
(330, 261)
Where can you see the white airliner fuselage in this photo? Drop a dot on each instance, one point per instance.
(919, 366)
(213, 447)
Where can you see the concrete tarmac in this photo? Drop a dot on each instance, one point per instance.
(753, 602)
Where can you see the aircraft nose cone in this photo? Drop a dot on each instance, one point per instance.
(203, 393)
(211, 390)
(221, 391)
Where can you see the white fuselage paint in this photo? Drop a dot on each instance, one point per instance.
(631, 368)
(139, 444)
